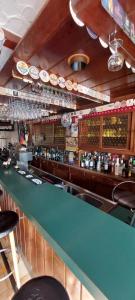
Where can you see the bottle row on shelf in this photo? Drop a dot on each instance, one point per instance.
(108, 163)
(56, 154)
(97, 161)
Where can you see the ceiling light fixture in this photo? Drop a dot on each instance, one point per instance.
(74, 16)
(127, 64)
(103, 43)
(78, 61)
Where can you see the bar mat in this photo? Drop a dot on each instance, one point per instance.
(32, 178)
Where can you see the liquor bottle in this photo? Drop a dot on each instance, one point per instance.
(53, 154)
(130, 167)
(99, 164)
(91, 163)
(95, 159)
(82, 161)
(113, 166)
(125, 171)
(133, 167)
(109, 163)
(106, 165)
(117, 167)
(87, 161)
(102, 163)
(121, 166)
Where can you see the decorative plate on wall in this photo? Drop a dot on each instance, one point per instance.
(69, 85)
(53, 79)
(44, 76)
(66, 120)
(34, 72)
(61, 82)
(22, 67)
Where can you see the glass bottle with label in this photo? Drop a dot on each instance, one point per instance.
(87, 161)
(117, 167)
(91, 163)
(121, 166)
(82, 161)
(99, 164)
(125, 171)
(106, 165)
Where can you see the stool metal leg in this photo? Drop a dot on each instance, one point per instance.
(132, 223)
(14, 256)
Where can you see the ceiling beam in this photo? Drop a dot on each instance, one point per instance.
(51, 19)
(11, 39)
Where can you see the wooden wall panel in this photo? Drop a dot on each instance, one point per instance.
(48, 259)
(58, 269)
(39, 253)
(73, 286)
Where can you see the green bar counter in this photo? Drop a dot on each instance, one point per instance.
(98, 248)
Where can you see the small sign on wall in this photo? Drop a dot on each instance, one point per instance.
(6, 126)
(71, 143)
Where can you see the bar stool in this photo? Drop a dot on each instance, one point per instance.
(44, 287)
(8, 222)
(1, 197)
(124, 194)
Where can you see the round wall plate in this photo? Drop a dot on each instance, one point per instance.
(53, 79)
(69, 85)
(61, 82)
(75, 86)
(44, 76)
(66, 120)
(22, 67)
(34, 72)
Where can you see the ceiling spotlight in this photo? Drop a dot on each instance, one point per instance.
(78, 61)
(74, 16)
(91, 33)
(133, 69)
(127, 64)
(103, 43)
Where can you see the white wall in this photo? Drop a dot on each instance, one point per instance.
(8, 137)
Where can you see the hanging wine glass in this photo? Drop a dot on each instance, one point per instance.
(116, 60)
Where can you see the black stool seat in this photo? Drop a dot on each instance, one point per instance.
(45, 288)
(125, 198)
(8, 221)
(1, 194)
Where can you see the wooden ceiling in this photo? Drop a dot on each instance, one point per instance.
(54, 36)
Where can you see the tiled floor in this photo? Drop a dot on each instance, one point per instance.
(6, 290)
